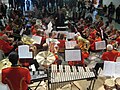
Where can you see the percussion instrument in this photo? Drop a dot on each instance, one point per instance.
(38, 75)
(117, 82)
(70, 73)
(45, 58)
(65, 73)
(109, 84)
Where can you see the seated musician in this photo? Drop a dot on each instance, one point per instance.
(109, 55)
(5, 44)
(62, 43)
(15, 76)
(85, 54)
(97, 38)
(46, 48)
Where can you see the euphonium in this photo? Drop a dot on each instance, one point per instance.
(27, 40)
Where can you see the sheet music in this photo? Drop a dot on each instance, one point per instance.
(72, 55)
(21, 32)
(117, 69)
(100, 45)
(49, 27)
(23, 51)
(33, 67)
(70, 35)
(63, 32)
(111, 69)
(70, 44)
(37, 39)
(4, 86)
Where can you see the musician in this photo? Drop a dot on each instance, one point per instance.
(5, 45)
(15, 76)
(46, 48)
(97, 38)
(109, 55)
(62, 43)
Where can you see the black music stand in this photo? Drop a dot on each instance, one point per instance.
(40, 79)
(73, 55)
(78, 53)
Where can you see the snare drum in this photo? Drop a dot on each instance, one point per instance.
(117, 82)
(109, 84)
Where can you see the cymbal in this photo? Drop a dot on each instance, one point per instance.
(5, 63)
(45, 58)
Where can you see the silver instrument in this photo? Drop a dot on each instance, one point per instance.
(38, 75)
(63, 73)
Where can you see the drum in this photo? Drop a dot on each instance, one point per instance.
(117, 82)
(109, 84)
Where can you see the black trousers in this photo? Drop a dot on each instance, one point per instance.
(98, 65)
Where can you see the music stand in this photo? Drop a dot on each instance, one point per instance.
(73, 55)
(100, 45)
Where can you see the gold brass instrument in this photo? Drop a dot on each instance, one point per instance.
(83, 43)
(27, 40)
(5, 63)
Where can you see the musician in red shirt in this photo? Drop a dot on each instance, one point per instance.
(5, 45)
(15, 76)
(97, 38)
(110, 55)
(62, 43)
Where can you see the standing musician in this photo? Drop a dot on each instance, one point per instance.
(15, 76)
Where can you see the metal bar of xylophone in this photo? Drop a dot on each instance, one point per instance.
(65, 73)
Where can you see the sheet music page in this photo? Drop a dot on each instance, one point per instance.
(72, 55)
(33, 67)
(70, 35)
(64, 32)
(109, 68)
(70, 44)
(23, 51)
(117, 69)
(100, 45)
(37, 39)
(49, 27)
(21, 32)
(4, 86)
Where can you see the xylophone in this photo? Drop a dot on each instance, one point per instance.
(38, 75)
(65, 73)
